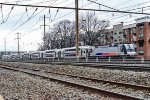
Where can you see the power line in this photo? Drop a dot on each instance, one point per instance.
(21, 18)
(71, 8)
(102, 5)
(2, 14)
(38, 22)
(130, 9)
(32, 16)
(54, 20)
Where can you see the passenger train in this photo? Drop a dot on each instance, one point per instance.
(116, 50)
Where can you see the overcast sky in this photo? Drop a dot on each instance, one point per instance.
(15, 20)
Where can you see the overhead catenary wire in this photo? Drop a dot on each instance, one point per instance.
(2, 14)
(57, 18)
(56, 14)
(5, 20)
(21, 18)
(71, 8)
(27, 20)
(60, 17)
(127, 10)
(13, 6)
(102, 5)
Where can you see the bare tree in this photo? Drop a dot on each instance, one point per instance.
(90, 27)
(62, 35)
(65, 33)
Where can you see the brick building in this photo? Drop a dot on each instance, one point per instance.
(143, 36)
(118, 33)
(137, 33)
(106, 37)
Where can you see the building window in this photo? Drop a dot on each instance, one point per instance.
(140, 43)
(134, 30)
(129, 30)
(120, 32)
(141, 29)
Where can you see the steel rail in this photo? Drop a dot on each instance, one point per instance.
(88, 88)
(104, 65)
(138, 87)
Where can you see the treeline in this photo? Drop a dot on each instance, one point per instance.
(63, 33)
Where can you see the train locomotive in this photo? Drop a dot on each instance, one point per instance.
(116, 50)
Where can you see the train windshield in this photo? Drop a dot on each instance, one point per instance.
(129, 47)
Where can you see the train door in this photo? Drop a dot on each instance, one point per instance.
(54, 55)
(88, 52)
(123, 50)
(81, 52)
(59, 54)
(84, 54)
(42, 56)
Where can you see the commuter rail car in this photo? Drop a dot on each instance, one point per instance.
(6, 57)
(118, 50)
(26, 56)
(47, 54)
(84, 51)
(37, 55)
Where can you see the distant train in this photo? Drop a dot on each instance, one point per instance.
(116, 50)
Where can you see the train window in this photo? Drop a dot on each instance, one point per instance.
(121, 49)
(90, 50)
(50, 51)
(115, 45)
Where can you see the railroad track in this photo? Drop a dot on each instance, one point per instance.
(104, 65)
(110, 61)
(86, 87)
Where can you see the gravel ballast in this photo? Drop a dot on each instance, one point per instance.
(19, 86)
(130, 77)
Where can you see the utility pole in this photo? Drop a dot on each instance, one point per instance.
(44, 24)
(77, 27)
(44, 30)
(5, 45)
(18, 37)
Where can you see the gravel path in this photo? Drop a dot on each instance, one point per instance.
(19, 86)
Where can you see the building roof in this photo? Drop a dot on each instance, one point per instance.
(143, 19)
(129, 26)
